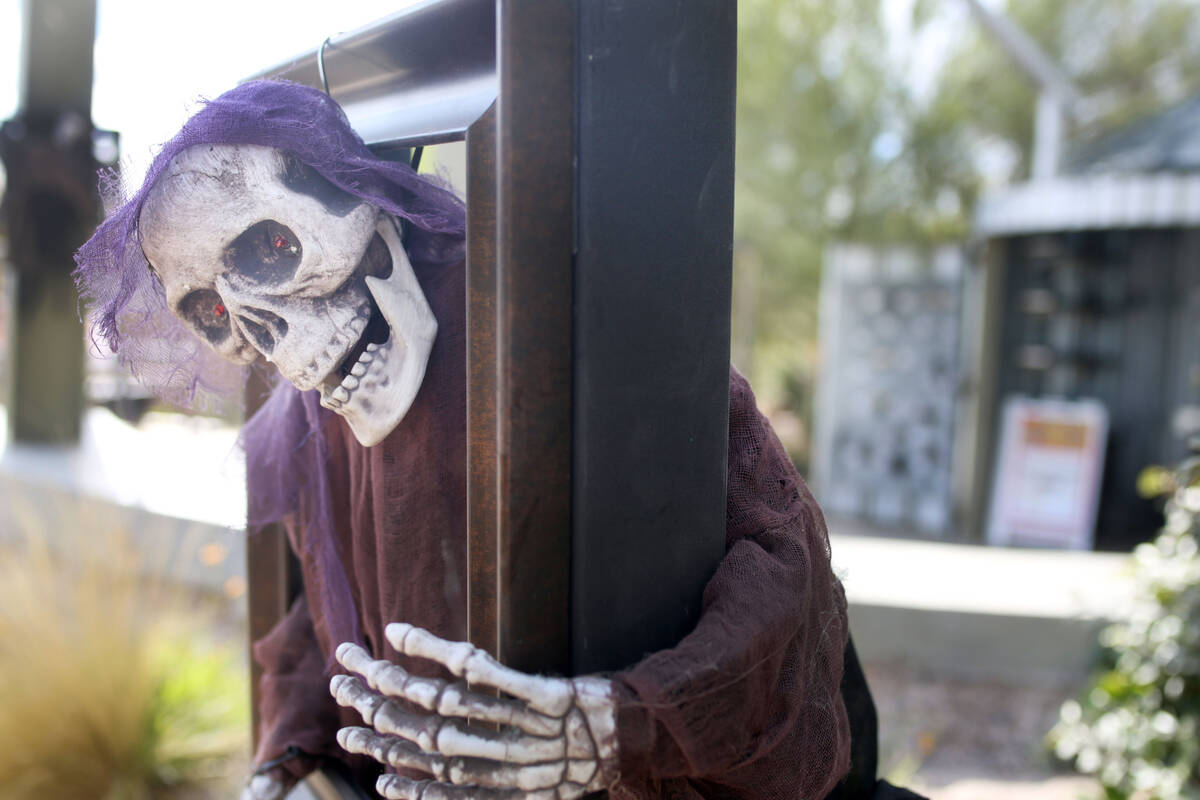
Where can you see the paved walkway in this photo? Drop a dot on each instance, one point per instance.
(954, 740)
(969, 652)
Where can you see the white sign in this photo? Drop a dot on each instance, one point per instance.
(1047, 480)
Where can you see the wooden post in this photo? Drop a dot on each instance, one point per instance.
(51, 209)
(534, 192)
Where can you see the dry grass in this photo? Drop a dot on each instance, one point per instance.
(111, 687)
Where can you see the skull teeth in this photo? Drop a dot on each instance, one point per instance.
(341, 394)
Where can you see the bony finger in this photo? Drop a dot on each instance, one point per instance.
(448, 737)
(395, 752)
(263, 787)
(350, 692)
(448, 700)
(353, 657)
(549, 696)
(493, 774)
(455, 738)
(385, 715)
(397, 787)
(458, 701)
(391, 751)
(454, 700)
(391, 679)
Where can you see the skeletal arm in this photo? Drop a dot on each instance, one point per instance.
(549, 739)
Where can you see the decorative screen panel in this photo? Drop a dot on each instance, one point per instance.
(890, 333)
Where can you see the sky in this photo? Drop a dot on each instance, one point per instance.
(154, 58)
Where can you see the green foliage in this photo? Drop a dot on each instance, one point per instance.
(1137, 727)
(114, 687)
(200, 715)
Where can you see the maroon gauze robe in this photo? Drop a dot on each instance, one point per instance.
(746, 706)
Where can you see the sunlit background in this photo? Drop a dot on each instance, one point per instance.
(153, 61)
(979, 338)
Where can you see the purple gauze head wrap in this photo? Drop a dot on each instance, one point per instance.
(286, 453)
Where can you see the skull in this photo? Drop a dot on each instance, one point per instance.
(261, 256)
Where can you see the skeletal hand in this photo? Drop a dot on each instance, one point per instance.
(555, 740)
(263, 787)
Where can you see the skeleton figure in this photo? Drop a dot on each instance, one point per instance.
(271, 232)
(260, 256)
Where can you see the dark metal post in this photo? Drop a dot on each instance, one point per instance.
(50, 209)
(654, 200)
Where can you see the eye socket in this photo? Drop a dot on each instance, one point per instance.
(267, 252)
(303, 179)
(207, 313)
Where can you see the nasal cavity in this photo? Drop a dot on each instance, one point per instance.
(263, 328)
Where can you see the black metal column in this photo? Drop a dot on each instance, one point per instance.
(654, 228)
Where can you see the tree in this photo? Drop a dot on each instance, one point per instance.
(837, 141)
(1129, 58)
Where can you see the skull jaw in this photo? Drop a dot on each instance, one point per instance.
(379, 399)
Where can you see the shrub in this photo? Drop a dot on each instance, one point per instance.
(112, 690)
(1136, 726)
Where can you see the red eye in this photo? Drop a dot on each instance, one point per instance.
(280, 243)
(219, 310)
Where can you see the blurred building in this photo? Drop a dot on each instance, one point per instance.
(1095, 292)
(1084, 286)
(891, 322)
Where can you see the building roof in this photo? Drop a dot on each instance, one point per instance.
(1168, 141)
(1143, 175)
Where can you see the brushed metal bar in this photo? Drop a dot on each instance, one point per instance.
(400, 82)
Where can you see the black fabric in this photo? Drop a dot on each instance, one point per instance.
(885, 791)
(859, 782)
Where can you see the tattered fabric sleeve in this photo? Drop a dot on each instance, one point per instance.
(295, 707)
(748, 705)
(299, 718)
